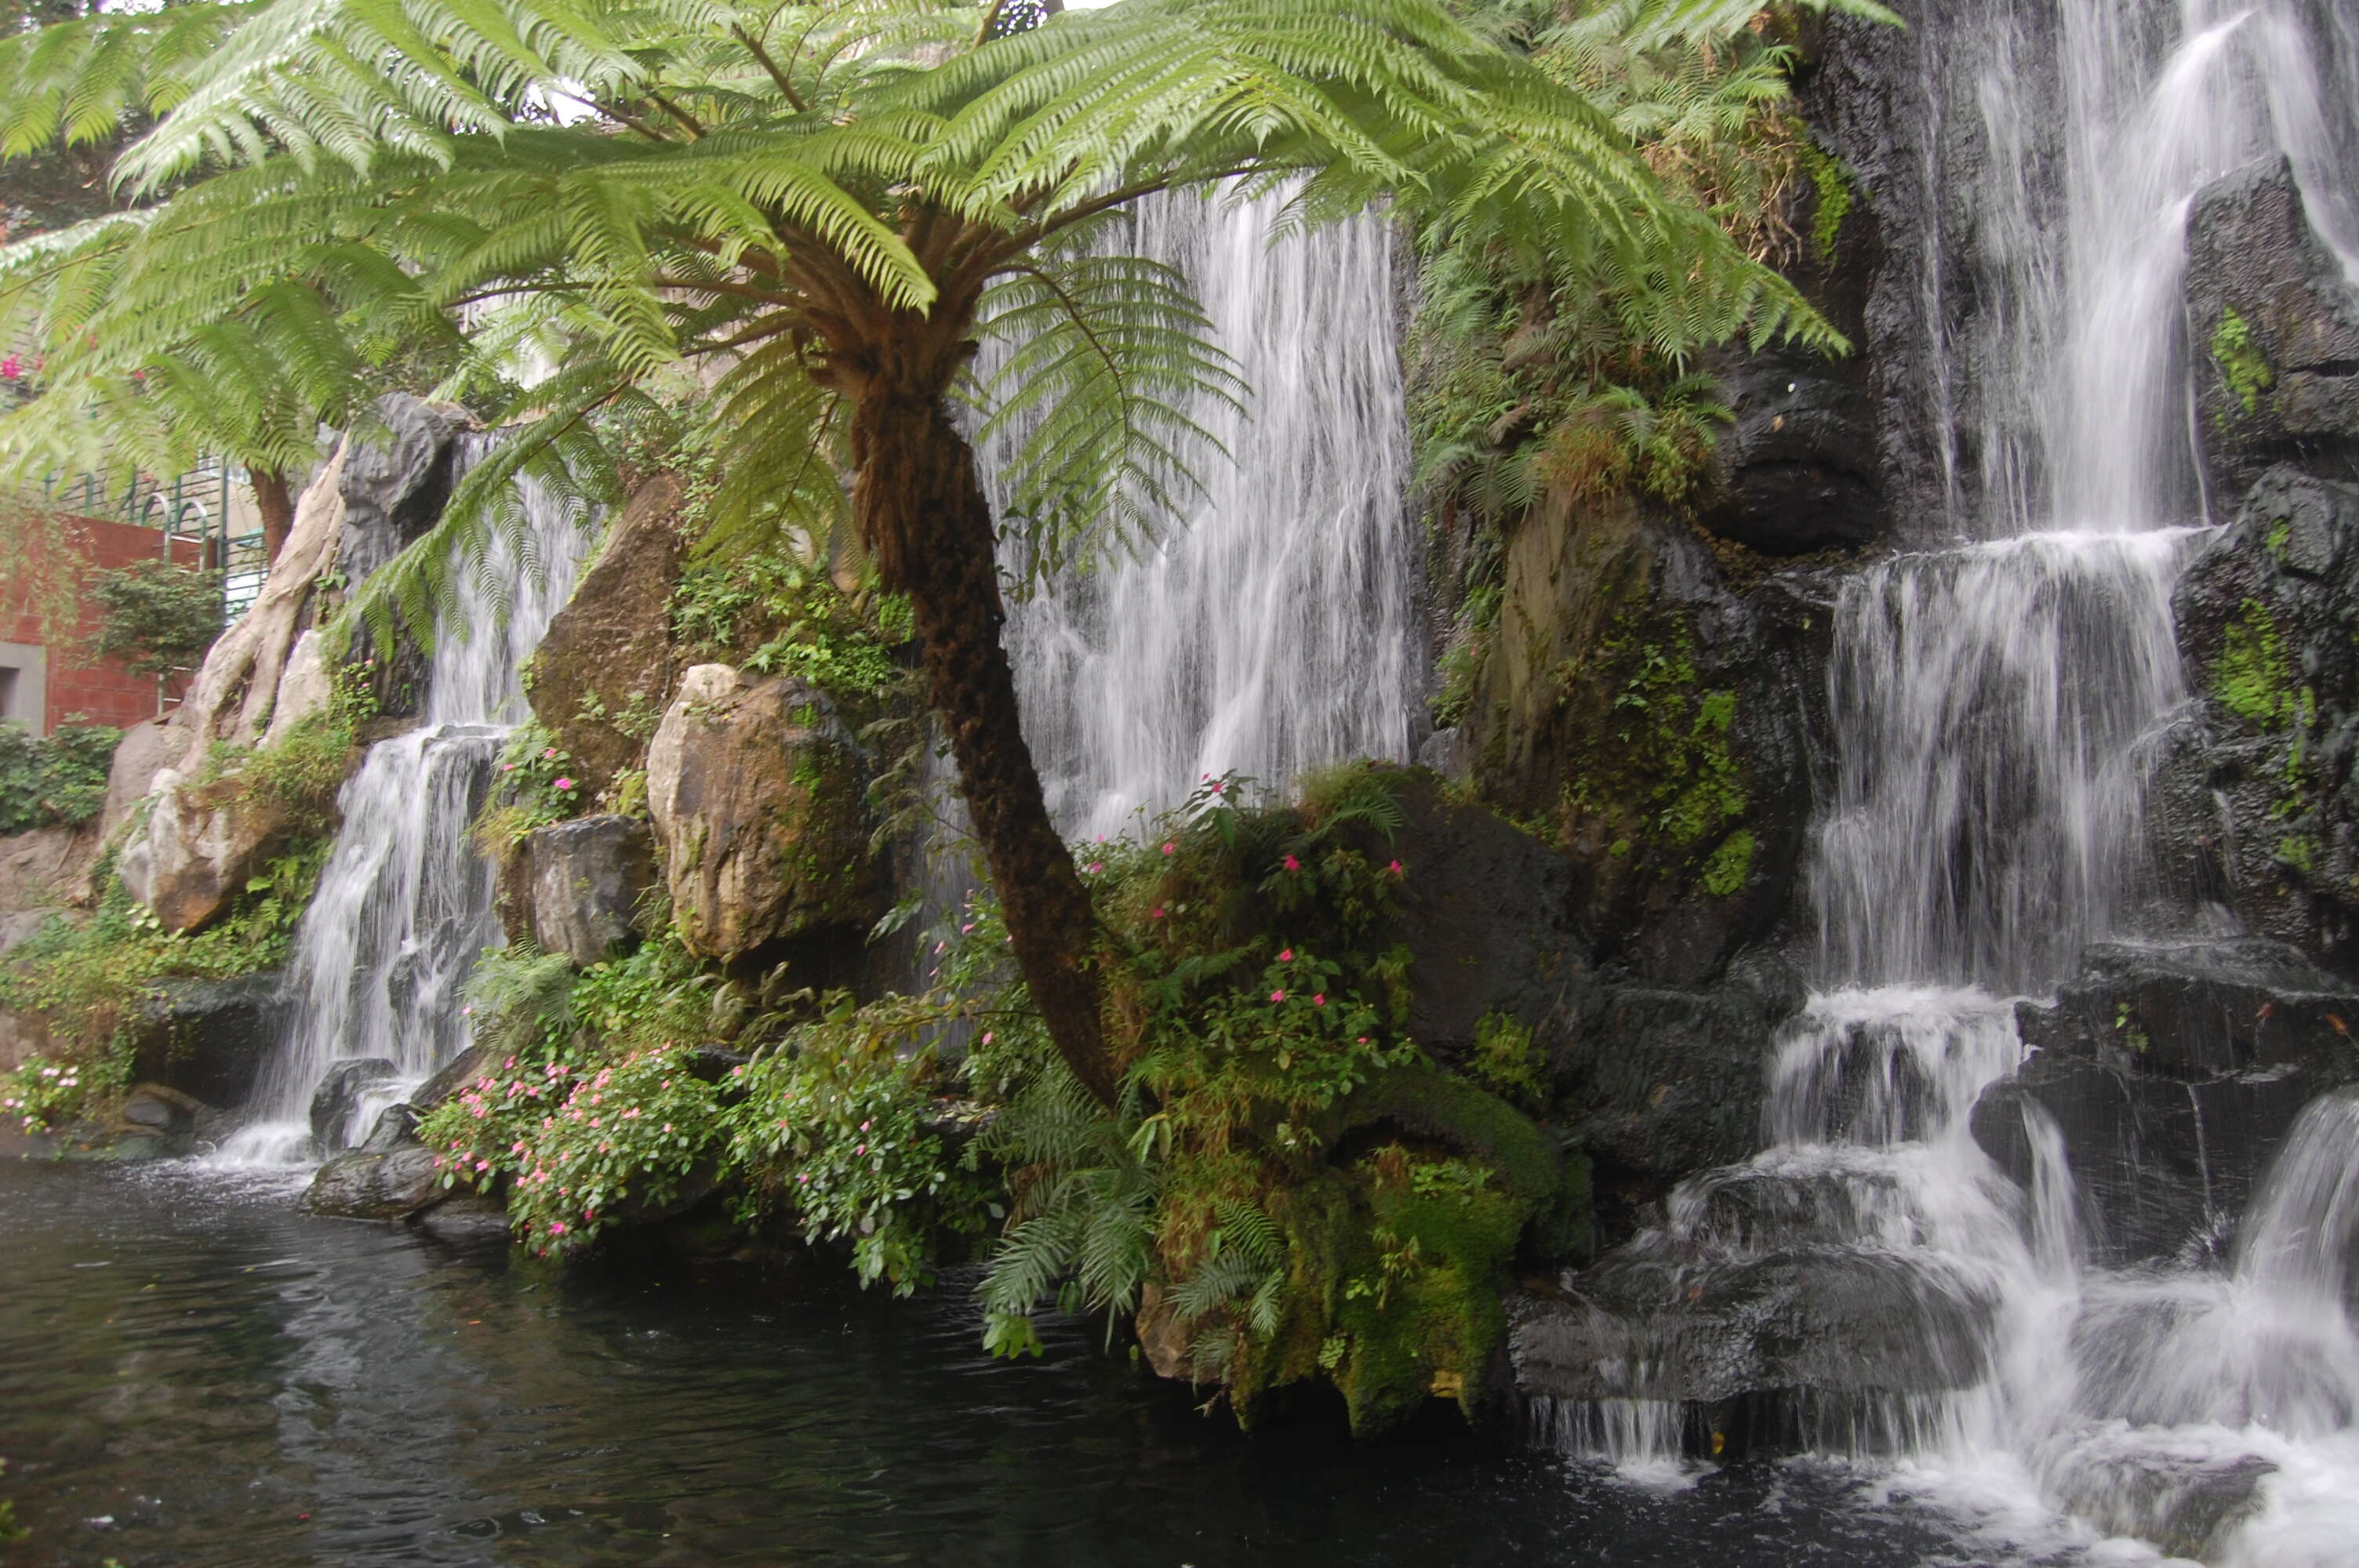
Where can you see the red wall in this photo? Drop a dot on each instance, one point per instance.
(80, 688)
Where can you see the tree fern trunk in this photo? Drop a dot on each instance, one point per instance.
(927, 521)
(274, 501)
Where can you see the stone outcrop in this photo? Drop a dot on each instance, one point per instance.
(396, 479)
(2173, 1074)
(209, 1038)
(604, 668)
(2274, 324)
(391, 1176)
(198, 849)
(1659, 721)
(575, 887)
(756, 791)
(41, 873)
(2261, 802)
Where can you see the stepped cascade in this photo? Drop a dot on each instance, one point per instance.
(1997, 704)
(405, 903)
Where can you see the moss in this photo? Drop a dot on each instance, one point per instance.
(1506, 1059)
(1730, 866)
(1451, 1110)
(2241, 363)
(1831, 183)
(2253, 677)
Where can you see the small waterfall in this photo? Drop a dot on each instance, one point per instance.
(1993, 703)
(1271, 630)
(405, 903)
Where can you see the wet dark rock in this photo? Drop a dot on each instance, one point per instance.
(475, 1062)
(209, 1038)
(336, 1102)
(2173, 1074)
(2274, 325)
(1803, 1322)
(1657, 1084)
(468, 1218)
(396, 477)
(576, 886)
(605, 664)
(365, 1183)
(2258, 801)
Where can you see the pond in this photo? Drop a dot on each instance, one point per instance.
(193, 1373)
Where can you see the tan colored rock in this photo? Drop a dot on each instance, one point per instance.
(757, 791)
(146, 749)
(196, 850)
(608, 653)
(304, 689)
(1163, 1339)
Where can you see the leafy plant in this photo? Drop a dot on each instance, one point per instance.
(156, 616)
(56, 780)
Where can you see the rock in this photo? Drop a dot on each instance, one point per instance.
(337, 1103)
(366, 1184)
(475, 1062)
(1163, 1339)
(209, 1038)
(146, 749)
(1657, 1084)
(2258, 806)
(1445, 752)
(2275, 325)
(1486, 913)
(577, 884)
(198, 848)
(396, 479)
(2173, 1073)
(305, 688)
(470, 1218)
(23, 1035)
(757, 789)
(41, 873)
(159, 1111)
(1783, 1338)
(605, 666)
(1658, 722)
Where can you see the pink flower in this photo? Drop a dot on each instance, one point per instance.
(1278, 996)
(1096, 866)
(1170, 848)
(549, 755)
(1395, 868)
(1155, 914)
(1292, 864)
(1286, 955)
(860, 1148)
(987, 1036)
(1319, 1000)
(11, 368)
(863, 1127)
(482, 1166)
(557, 1227)
(565, 783)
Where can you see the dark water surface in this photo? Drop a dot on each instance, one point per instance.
(192, 1373)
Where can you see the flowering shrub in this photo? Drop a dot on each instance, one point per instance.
(43, 1093)
(535, 786)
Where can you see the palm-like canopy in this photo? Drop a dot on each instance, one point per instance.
(825, 204)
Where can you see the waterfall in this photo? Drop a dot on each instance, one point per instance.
(405, 903)
(1271, 630)
(1993, 703)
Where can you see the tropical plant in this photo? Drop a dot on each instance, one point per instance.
(823, 207)
(156, 616)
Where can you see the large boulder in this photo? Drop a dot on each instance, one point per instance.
(42, 874)
(575, 887)
(603, 671)
(198, 848)
(398, 473)
(146, 750)
(340, 1100)
(756, 790)
(209, 1038)
(2172, 1074)
(2263, 794)
(1657, 724)
(2275, 323)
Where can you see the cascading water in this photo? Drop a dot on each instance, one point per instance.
(1994, 706)
(1269, 631)
(405, 903)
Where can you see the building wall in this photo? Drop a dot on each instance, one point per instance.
(78, 689)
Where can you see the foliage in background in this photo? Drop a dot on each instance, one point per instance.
(298, 775)
(86, 982)
(156, 616)
(58, 779)
(534, 787)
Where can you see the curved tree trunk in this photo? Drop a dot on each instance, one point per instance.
(928, 524)
(275, 502)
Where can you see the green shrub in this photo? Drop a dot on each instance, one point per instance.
(156, 616)
(61, 780)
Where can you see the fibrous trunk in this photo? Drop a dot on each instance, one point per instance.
(274, 502)
(928, 524)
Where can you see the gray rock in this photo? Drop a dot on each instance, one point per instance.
(209, 1038)
(146, 749)
(758, 789)
(2173, 1073)
(582, 881)
(2290, 391)
(368, 1184)
(396, 479)
(469, 1219)
(336, 1103)
(198, 848)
